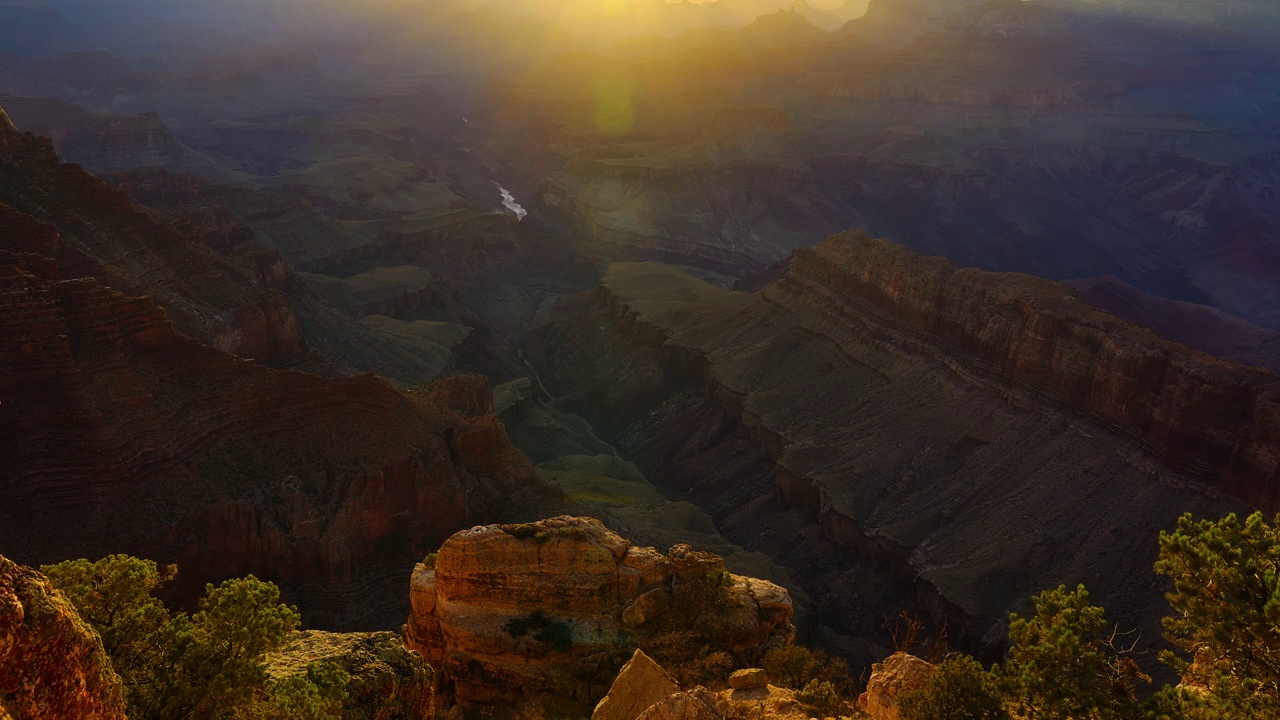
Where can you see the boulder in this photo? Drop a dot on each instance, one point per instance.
(900, 673)
(646, 607)
(52, 664)
(641, 684)
(551, 606)
(696, 704)
(750, 679)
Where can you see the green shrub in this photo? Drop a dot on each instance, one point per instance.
(1064, 663)
(821, 696)
(961, 689)
(1226, 614)
(206, 665)
(528, 531)
(556, 633)
(795, 666)
(317, 695)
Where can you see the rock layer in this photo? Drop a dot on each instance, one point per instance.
(149, 442)
(236, 303)
(953, 431)
(508, 609)
(1214, 419)
(52, 664)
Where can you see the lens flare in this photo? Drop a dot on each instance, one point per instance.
(613, 97)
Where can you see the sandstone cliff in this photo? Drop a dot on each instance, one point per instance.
(52, 665)
(552, 606)
(148, 442)
(955, 440)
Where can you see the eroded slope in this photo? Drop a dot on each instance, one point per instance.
(977, 437)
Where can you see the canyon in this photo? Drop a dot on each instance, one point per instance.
(149, 441)
(453, 315)
(1051, 139)
(972, 436)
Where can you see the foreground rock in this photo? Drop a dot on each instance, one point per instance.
(504, 610)
(52, 664)
(640, 693)
(641, 684)
(900, 673)
(387, 680)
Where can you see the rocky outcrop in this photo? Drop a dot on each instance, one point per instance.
(151, 443)
(900, 673)
(386, 680)
(101, 143)
(504, 610)
(52, 664)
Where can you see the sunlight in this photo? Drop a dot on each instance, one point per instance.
(612, 94)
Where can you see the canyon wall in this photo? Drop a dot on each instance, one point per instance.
(1213, 419)
(149, 442)
(238, 303)
(101, 143)
(912, 435)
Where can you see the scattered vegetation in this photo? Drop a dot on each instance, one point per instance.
(210, 664)
(797, 667)
(556, 633)
(960, 690)
(529, 531)
(821, 695)
(685, 640)
(1067, 662)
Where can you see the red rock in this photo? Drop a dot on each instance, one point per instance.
(52, 665)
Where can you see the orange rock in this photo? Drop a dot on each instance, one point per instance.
(641, 684)
(505, 609)
(898, 674)
(52, 664)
